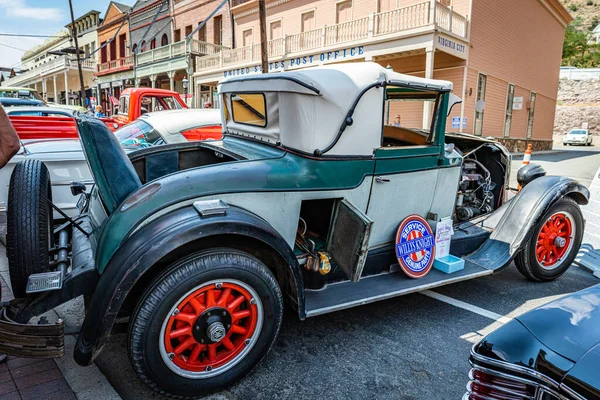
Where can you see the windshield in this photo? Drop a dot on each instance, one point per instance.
(20, 94)
(138, 135)
(578, 132)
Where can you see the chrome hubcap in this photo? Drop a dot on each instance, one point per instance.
(560, 241)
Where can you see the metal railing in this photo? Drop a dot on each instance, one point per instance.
(375, 25)
(578, 74)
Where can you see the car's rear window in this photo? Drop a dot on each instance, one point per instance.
(249, 108)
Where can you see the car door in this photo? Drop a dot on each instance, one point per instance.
(407, 165)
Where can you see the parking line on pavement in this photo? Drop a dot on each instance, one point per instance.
(466, 306)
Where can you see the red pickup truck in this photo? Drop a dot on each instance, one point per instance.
(135, 102)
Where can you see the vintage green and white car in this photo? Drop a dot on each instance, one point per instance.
(197, 245)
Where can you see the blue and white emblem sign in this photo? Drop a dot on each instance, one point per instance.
(415, 246)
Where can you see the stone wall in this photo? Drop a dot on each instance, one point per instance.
(520, 145)
(578, 102)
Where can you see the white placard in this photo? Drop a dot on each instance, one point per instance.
(518, 103)
(443, 234)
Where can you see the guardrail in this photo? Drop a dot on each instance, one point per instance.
(375, 25)
(580, 74)
(177, 49)
(115, 64)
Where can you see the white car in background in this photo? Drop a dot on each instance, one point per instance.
(66, 163)
(578, 136)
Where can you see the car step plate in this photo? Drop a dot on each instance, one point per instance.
(44, 282)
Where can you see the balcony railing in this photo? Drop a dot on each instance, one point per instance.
(59, 64)
(177, 49)
(376, 25)
(119, 63)
(401, 19)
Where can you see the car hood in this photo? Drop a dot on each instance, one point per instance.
(569, 326)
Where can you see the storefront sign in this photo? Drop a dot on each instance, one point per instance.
(451, 46)
(517, 103)
(300, 62)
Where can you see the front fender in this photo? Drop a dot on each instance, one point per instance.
(520, 216)
(152, 243)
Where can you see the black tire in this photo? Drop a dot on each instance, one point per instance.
(29, 234)
(157, 306)
(527, 262)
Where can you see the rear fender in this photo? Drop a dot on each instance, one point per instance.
(155, 242)
(520, 216)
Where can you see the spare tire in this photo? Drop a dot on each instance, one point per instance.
(29, 235)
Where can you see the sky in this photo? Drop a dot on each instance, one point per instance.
(38, 17)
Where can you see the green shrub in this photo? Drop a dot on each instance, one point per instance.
(590, 3)
(573, 7)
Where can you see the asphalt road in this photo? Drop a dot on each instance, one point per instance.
(411, 347)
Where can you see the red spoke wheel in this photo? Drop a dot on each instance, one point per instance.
(211, 328)
(554, 239)
(554, 242)
(204, 323)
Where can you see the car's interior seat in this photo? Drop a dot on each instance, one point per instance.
(113, 172)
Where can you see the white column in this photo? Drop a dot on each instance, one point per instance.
(55, 91)
(171, 75)
(429, 75)
(153, 81)
(67, 88)
(45, 89)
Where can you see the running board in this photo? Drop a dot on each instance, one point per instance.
(338, 296)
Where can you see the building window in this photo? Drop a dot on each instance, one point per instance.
(308, 21)
(143, 46)
(188, 30)
(275, 30)
(530, 117)
(103, 55)
(202, 33)
(164, 40)
(218, 27)
(509, 109)
(177, 36)
(122, 39)
(343, 12)
(152, 44)
(387, 5)
(113, 50)
(134, 48)
(480, 103)
(247, 38)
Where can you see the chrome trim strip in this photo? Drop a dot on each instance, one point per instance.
(389, 295)
(68, 182)
(571, 392)
(554, 388)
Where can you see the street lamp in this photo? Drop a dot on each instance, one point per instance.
(185, 84)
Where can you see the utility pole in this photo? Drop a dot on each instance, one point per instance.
(74, 32)
(262, 16)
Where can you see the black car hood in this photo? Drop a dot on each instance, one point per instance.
(584, 377)
(569, 326)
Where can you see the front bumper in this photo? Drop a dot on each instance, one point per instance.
(24, 340)
(18, 338)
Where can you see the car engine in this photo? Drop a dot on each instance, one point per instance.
(475, 191)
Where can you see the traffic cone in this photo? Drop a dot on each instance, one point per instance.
(527, 156)
(526, 161)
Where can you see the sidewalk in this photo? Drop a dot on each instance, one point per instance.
(49, 379)
(31, 378)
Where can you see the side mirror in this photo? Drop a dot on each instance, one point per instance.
(77, 188)
(452, 101)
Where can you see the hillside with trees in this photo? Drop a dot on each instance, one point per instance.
(578, 51)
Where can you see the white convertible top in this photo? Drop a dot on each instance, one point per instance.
(170, 123)
(306, 108)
